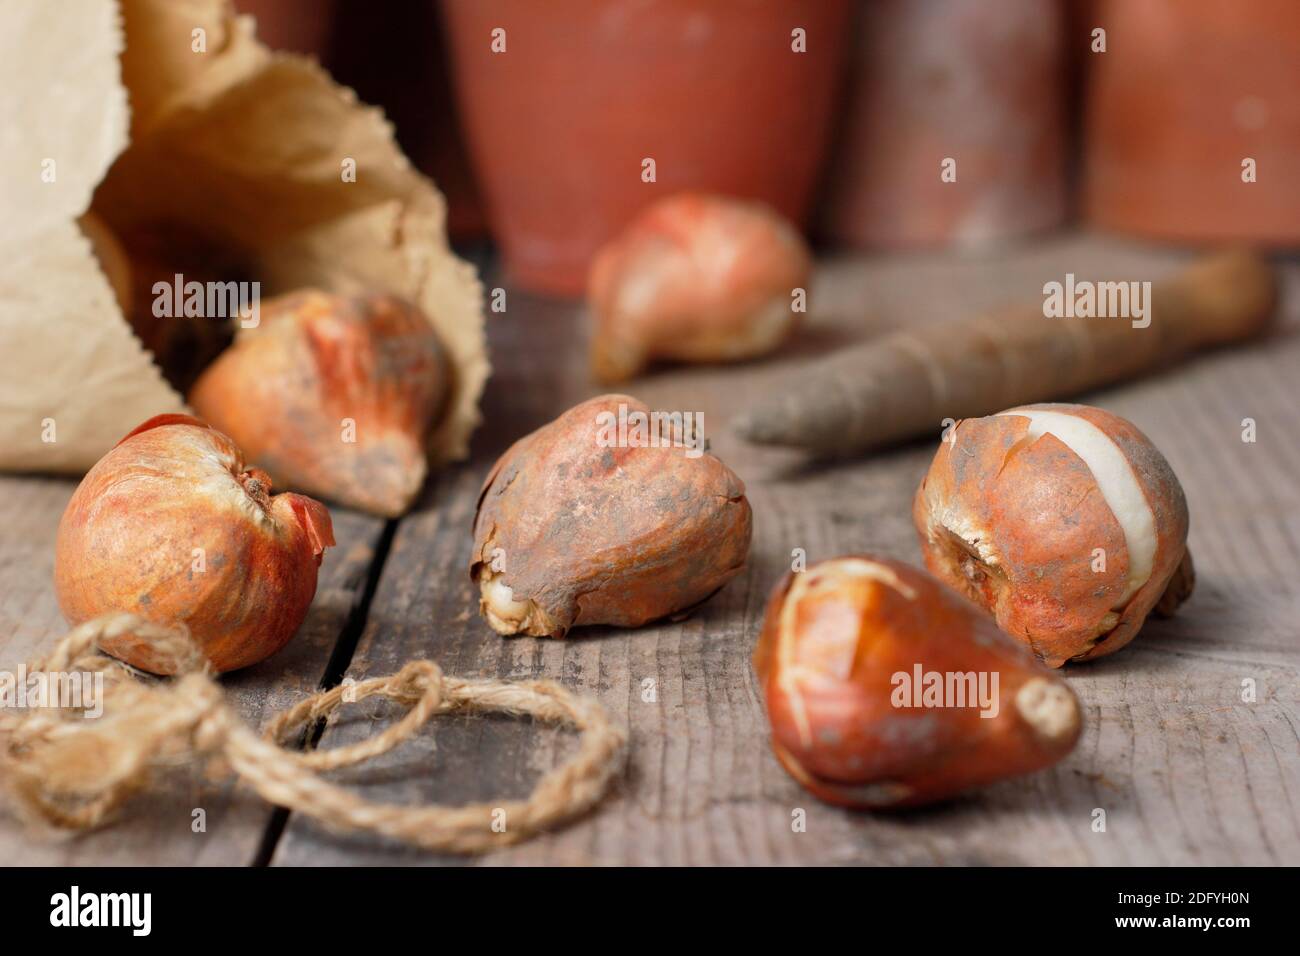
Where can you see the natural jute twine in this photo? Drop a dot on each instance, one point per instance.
(74, 772)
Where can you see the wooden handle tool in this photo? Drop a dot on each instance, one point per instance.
(906, 383)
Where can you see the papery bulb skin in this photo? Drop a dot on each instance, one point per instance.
(572, 529)
(1063, 521)
(334, 396)
(695, 278)
(171, 525)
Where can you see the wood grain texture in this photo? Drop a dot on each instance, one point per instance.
(156, 829)
(1185, 770)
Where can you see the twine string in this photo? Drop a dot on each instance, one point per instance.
(75, 773)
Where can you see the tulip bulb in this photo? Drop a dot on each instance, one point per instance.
(696, 278)
(333, 396)
(171, 525)
(885, 688)
(573, 529)
(1064, 521)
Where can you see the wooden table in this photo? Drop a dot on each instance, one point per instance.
(1185, 770)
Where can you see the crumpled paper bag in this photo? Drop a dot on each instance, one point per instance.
(242, 147)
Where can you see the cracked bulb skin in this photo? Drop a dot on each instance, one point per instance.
(695, 278)
(835, 639)
(287, 388)
(571, 531)
(128, 538)
(1063, 521)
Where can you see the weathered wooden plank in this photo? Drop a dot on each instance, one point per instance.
(157, 829)
(1186, 771)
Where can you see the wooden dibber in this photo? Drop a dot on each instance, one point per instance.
(908, 382)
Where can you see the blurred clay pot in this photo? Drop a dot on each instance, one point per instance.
(560, 122)
(1185, 92)
(412, 83)
(981, 83)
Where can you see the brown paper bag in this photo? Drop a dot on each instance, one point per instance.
(237, 148)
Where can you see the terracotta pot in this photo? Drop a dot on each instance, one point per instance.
(559, 124)
(300, 26)
(981, 83)
(1186, 90)
(411, 82)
